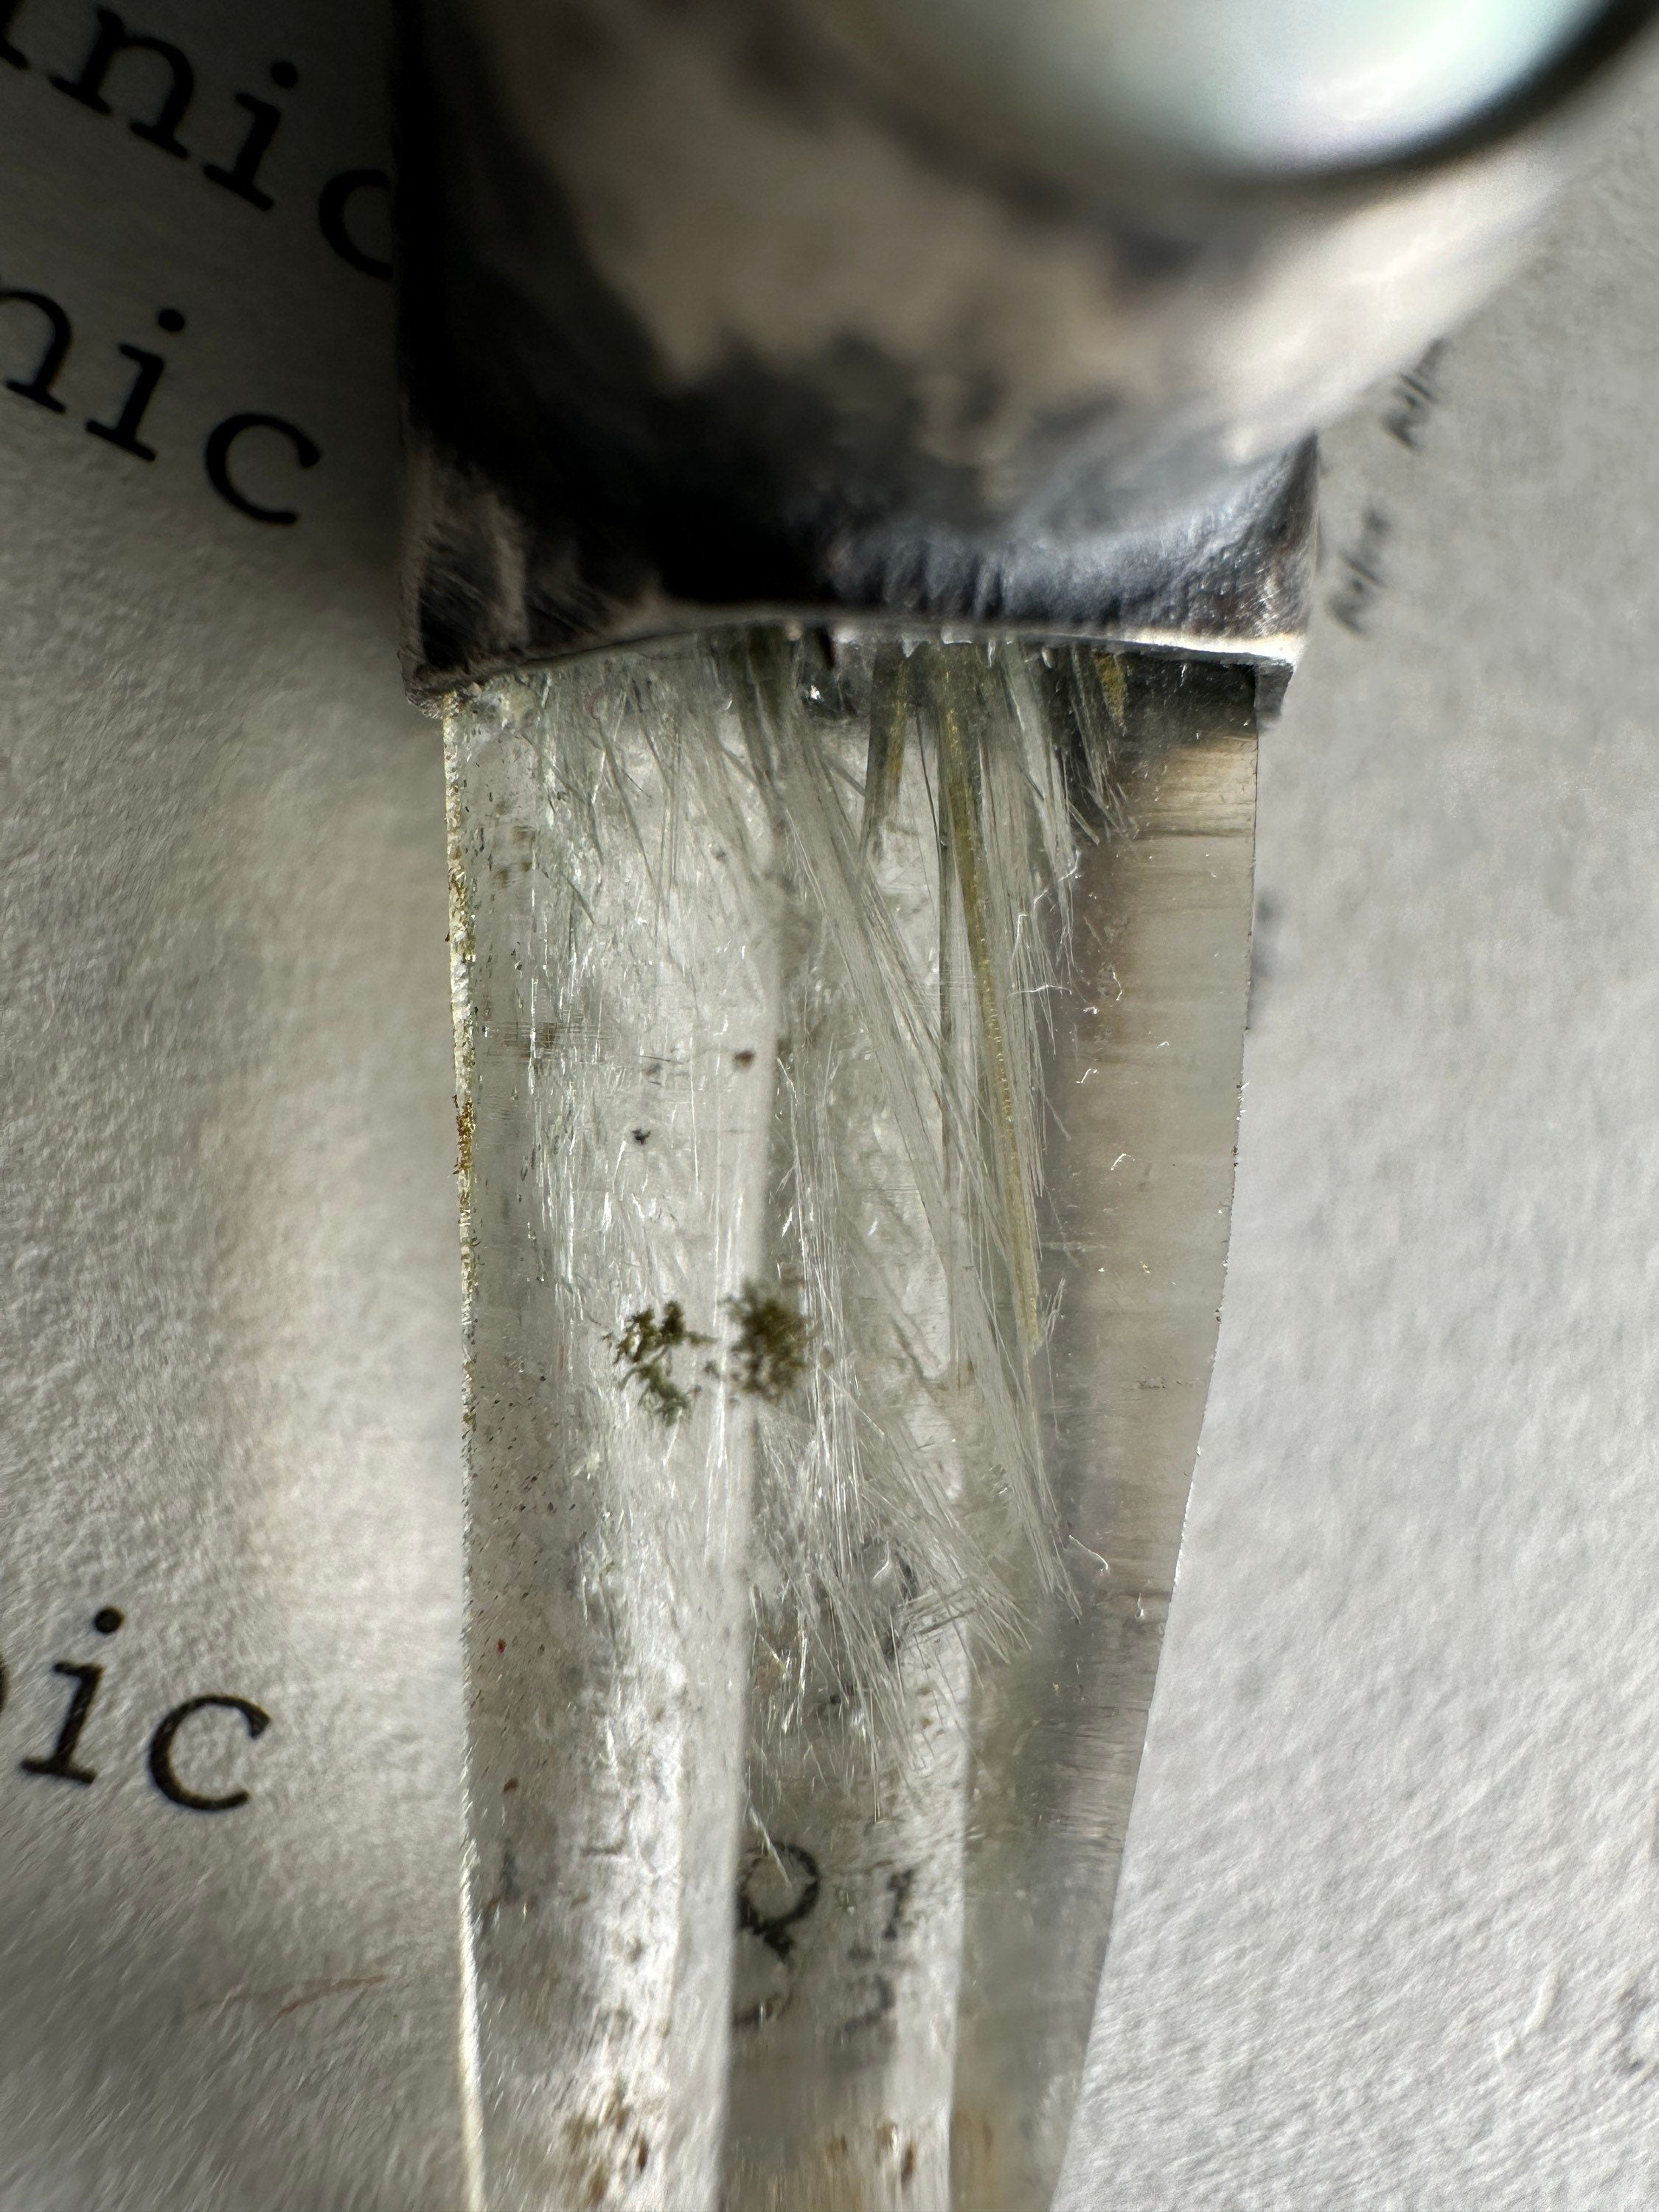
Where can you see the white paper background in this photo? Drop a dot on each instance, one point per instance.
(229, 1348)
(1389, 1925)
(1388, 1931)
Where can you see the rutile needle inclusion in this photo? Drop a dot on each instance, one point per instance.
(848, 1036)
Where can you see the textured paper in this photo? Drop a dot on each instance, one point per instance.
(1388, 1929)
(229, 1338)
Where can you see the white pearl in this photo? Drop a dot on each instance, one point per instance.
(1273, 84)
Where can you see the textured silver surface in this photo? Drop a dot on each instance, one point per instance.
(752, 309)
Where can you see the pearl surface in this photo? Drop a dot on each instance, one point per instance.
(1262, 84)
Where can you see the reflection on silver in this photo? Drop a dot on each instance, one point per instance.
(848, 1039)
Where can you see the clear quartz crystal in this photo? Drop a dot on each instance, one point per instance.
(849, 1036)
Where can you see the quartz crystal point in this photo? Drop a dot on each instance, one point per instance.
(848, 1035)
